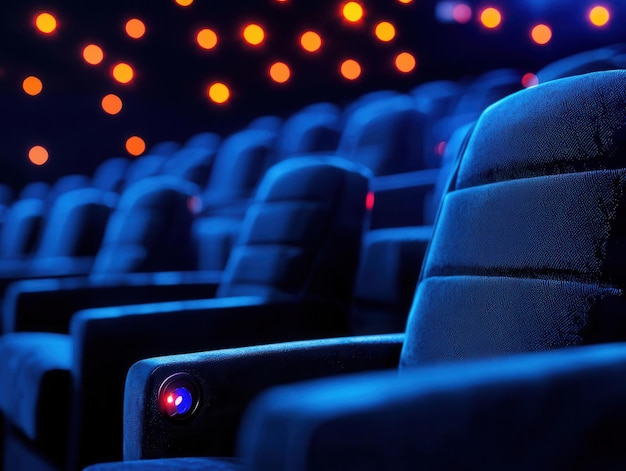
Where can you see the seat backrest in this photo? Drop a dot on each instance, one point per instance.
(435, 100)
(64, 184)
(384, 135)
(205, 140)
(37, 190)
(109, 175)
(145, 166)
(595, 60)
(527, 252)
(164, 148)
(240, 163)
(21, 228)
(315, 128)
(76, 224)
(301, 236)
(150, 229)
(193, 164)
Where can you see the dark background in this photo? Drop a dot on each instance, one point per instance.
(167, 100)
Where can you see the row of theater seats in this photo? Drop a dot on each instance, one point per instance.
(510, 238)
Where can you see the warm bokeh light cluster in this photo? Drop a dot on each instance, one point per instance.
(253, 34)
(276, 60)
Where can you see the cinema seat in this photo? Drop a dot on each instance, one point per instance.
(594, 60)
(513, 355)
(147, 230)
(290, 276)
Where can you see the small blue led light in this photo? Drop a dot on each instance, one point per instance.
(178, 396)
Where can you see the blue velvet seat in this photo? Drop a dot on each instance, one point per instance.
(513, 355)
(109, 175)
(241, 161)
(26, 217)
(593, 60)
(290, 276)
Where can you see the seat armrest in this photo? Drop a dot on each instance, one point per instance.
(47, 305)
(227, 381)
(107, 341)
(554, 410)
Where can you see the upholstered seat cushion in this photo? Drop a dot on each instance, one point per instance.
(35, 383)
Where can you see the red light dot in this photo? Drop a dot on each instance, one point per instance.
(462, 13)
(530, 80)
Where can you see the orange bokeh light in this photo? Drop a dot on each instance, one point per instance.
(385, 31)
(352, 11)
(406, 2)
(490, 17)
(38, 155)
(184, 3)
(541, 34)
(135, 28)
(350, 69)
(218, 92)
(93, 54)
(112, 104)
(135, 146)
(599, 15)
(279, 72)
(405, 62)
(206, 38)
(311, 41)
(253, 34)
(32, 85)
(46, 23)
(123, 73)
